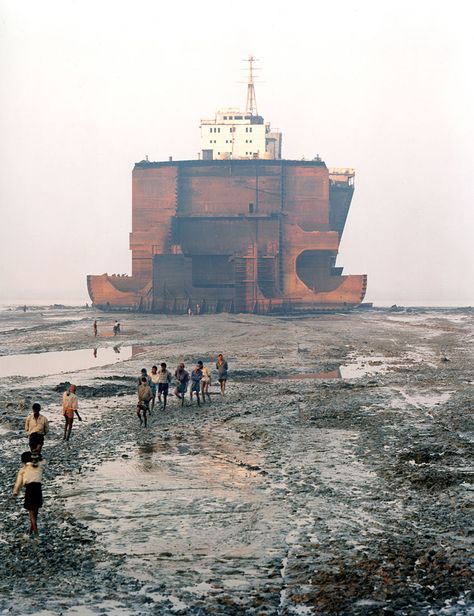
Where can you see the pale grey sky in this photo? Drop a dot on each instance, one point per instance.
(87, 88)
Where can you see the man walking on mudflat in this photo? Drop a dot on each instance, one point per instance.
(222, 367)
(70, 406)
(182, 379)
(164, 380)
(37, 424)
(144, 397)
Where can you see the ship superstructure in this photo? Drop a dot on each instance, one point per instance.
(237, 134)
(239, 229)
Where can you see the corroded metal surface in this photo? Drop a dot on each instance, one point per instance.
(241, 235)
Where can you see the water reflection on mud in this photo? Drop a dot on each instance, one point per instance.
(186, 498)
(353, 370)
(57, 362)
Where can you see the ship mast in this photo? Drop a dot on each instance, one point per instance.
(251, 106)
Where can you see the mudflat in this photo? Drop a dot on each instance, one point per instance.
(335, 477)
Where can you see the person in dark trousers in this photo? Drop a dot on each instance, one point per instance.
(144, 397)
(36, 423)
(222, 368)
(164, 380)
(30, 477)
(182, 379)
(196, 376)
(70, 406)
(94, 327)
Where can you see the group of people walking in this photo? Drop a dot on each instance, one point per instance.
(150, 386)
(31, 472)
(157, 383)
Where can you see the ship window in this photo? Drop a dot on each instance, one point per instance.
(210, 130)
(237, 117)
(218, 130)
(250, 129)
(225, 117)
(247, 117)
(246, 129)
(250, 208)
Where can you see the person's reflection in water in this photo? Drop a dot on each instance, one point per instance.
(117, 349)
(145, 456)
(95, 352)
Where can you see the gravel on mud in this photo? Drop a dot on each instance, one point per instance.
(335, 477)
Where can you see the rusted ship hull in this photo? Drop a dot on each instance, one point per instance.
(235, 235)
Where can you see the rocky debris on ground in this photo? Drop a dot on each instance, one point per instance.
(327, 497)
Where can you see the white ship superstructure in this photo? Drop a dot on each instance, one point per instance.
(233, 133)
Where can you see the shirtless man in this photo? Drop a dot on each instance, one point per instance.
(205, 383)
(182, 379)
(222, 368)
(144, 397)
(70, 406)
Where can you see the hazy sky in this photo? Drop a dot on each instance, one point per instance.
(87, 88)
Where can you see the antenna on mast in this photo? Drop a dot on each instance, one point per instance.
(251, 106)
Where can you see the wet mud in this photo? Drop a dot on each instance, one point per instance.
(335, 477)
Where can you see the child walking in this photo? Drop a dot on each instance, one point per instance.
(30, 476)
(196, 376)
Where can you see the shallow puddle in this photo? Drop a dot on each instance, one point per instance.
(184, 506)
(56, 362)
(353, 370)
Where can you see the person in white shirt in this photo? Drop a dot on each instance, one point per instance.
(70, 406)
(164, 380)
(29, 477)
(153, 382)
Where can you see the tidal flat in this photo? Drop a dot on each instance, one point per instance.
(335, 477)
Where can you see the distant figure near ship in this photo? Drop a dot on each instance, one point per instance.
(95, 329)
(116, 328)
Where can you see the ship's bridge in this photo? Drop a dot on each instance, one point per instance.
(236, 134)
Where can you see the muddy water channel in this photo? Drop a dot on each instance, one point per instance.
(336, 477)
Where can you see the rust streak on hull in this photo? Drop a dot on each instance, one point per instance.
(235, 235)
